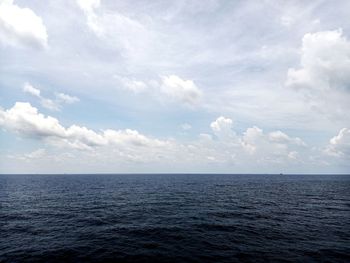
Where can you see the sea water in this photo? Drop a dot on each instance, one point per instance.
(174, 218)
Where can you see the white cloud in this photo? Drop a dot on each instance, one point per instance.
(252, 147)
(182, 90)
(66, 98)
(49, 103)
(135, 86)
(131, 137)
(25, 120)
(273, 147)
(172, 86)
(252, 138)
(119, 31)
(21, 26)
(324, 76)
(28, 88)
(241, 76)
(293, 155)
(339, 145)
(222, 127)
(38, 154)
(89, 6)
(221, 123)
(281, 137)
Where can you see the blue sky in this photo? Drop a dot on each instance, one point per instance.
(174, 86)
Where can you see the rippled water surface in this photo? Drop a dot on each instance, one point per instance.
(174, 218)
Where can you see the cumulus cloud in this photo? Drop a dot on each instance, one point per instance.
(281, 137)
(25, 120)
(222, 127)
(273, 147)
(21, 26)
(185, 91)
(226, 147)
(324, 75)
(49, 103)
(236, 76)
(339, 145)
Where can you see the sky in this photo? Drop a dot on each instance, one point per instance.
(102, 86)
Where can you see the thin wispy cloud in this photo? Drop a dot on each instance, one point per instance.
(56, 104)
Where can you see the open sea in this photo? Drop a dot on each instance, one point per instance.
(174, 218)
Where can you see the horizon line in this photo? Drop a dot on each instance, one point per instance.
(160, 173)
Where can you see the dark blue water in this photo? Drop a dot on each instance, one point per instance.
(174, 218)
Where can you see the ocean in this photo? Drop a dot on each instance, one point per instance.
(174, 218)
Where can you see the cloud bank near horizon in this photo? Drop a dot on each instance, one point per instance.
(223, 145)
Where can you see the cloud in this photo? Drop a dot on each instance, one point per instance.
(21, 26)
(222, 127)
(172, 86)
(28, 88)
(185, 91)
(273, 147)
(65, 98)
(135, 86)
(281, 137)
(339, 145)
(227, 147)
(25, 120)
(293, 155)
(251, 138)
(264, 148)
(118, 31)
(89, 6)
(241, 77)
(37, 154)
(324, 75)
(49, 103)
(221, 123)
